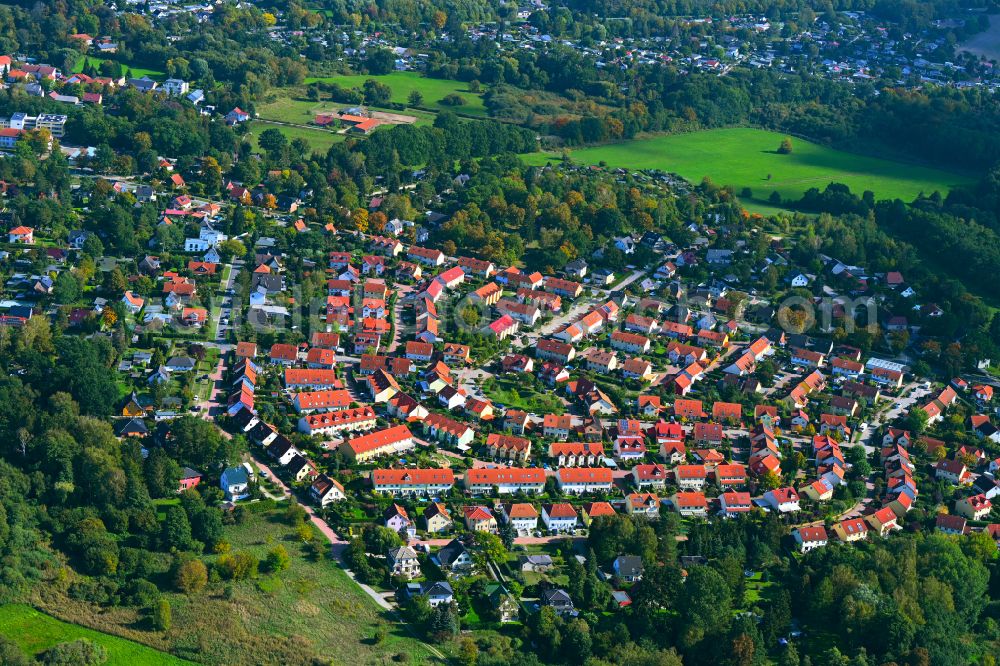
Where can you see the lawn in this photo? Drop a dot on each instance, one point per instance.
(402, 83)
(318, 139)
(311, 612)
(745, 157)
(512, 394)
(34, 632)
(756, 588)
(134, 72)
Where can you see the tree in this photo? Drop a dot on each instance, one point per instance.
(191, 576)
(237, 566)
(468, 652)
(66, 288)
(11, 654)
(162, 473)
(490, 548)
(705, 604)
(277, 559)
(162, 615)
(81, 652)
(415, 98)
(507, 534)
(577, 643)
(232, 248)
(177, 529)
(272, 140)
(380, 61)
(376, 93)
(198, 442)
(916, 421)
(453, 99)
(786, 146)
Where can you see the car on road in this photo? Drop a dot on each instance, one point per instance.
(863, 427)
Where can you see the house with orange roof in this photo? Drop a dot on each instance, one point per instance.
(591, 510)
(480, 519)
(690, 504)
(649, 405)
(646, 505)
(580, 480)
(505, 480)
(727, 412)
(851, 530)
(882, 521)
(559, 518)
(810, 538)
(522, 517)
(508, 447)
(689, 409)
(389, 441)
(133, 302)
(22, 234)
(733, 503)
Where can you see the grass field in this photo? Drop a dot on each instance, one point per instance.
(744, 157)
(34, 632)
(318, 140)
(134, 72)
(402, 83)
(311, 611)
(288, 106)
(511, 394)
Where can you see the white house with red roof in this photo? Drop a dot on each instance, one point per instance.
(23, 235)
(783, 500)
(810, 538)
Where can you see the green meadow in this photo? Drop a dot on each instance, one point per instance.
(134, 72)
(288, 107)
(318, 139)
(34, 632)
(311, 612)
(403, 83)
(748, 158)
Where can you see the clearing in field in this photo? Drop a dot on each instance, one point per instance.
(35, 632)
(749, 158)
(403, 83)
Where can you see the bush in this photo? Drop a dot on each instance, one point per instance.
(142, 593)
(191, 576)
(162, 615)
(80, 652)
(277, 559)
(237, 566)
(453, 99)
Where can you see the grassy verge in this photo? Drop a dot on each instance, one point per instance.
(34, 632)
(748, 158)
